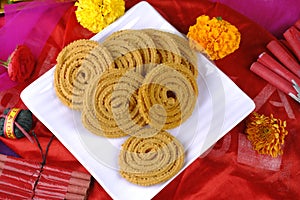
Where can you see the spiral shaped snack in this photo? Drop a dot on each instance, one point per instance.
(142, 41)
(168, 96)
(188, 56)
(151, 160)
(137, 83)
(110, 104)
(125, 54)
(125, 106)
(73, 48)
(76, 65)
(167, 48)
(98, 60)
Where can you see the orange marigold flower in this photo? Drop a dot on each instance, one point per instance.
(215, 37)
(266, 134)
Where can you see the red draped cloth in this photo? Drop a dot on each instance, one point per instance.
(230, 169)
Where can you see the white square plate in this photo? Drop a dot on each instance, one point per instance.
(221, 106)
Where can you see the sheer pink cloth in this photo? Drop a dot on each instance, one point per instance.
(28, 23)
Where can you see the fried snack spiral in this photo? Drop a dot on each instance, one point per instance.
(151, 160)
(168, 96)
(139, 39)
(126, 55)
(188, 56)
(68, 62)
(77, 64)
(167, 48)
(73, 48)
(124, 105)
(98, 60)
(110, 104)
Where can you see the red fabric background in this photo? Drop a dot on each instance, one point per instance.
(230, 170)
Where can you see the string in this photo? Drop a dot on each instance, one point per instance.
(44, 155)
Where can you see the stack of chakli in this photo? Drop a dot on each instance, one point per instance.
(136, 83)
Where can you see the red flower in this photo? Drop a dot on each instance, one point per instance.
(20, 64)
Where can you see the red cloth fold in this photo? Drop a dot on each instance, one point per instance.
(231, 169)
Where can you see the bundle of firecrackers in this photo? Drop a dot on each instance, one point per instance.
(280, 65)
(217, 38)
(26, 179)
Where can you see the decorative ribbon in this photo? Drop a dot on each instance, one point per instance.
(10, 121)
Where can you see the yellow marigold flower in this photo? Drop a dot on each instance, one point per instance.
(266, 134)
(215, 37)
(95, 15)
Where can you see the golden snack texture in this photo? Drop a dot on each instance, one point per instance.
(167, 96)
(136, 84)
(106, 110)
(77, 64)
(125, 54)
(188, 56)
(166, 47)
(142, 41)
(151, 160)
